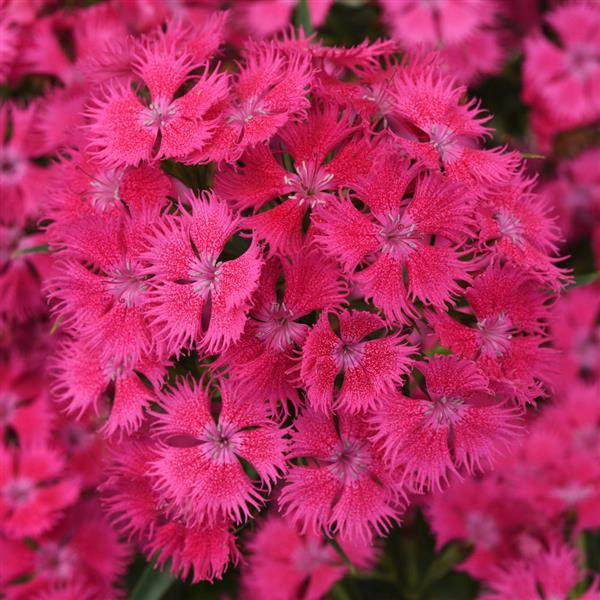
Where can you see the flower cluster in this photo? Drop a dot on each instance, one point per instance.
(516, 517)
(245, 276)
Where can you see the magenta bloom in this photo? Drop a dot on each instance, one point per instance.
(126, 130)
(517, 226)
(371, 369)
(81, 553)
(284, 564)
(311, 178)
(393, 240)
(199, 471)
(465, 32)
(507, 339)
(562, 77)
(434, 126)
(456, 424)
(82, 377)
(32, 493)
(22, 181)
(345, 487)
(195, 296)
(104, 304)
(265, 358)
(201, 551)
(269, 90)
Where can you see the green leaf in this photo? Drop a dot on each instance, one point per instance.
(302, 17)
(152, 584)
(41, 249)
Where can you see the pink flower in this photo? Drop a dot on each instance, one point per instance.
(24, 407)
(32, 493)
(195, 296)
(81, 553)
(199, 469)
(517, 226)
(561, 78)
(575, 329)
(283, 564)
(269, 90)
(21, 275)
(264, 359)
(311, 178)
(464, 31)
(507, 338)
(393, 241)
(104, 304)
(371, 368)
(553, 574)
(487, 514)
(434, 125)
(202, 551)
(455, 425)
(83, 376)
(575, 194)
(22, 181)
(125, 130)
(343, 486)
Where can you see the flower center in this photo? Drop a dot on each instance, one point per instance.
(350, 459)
(104, 192)
(126, 284)
(509, 225)
(310, 555)
(444, 411)
(495, 335)
(205, 271)
(12, 165)
(482, 529)
(18, 491)
(397, 238)
(159, 113)
(276, 326)
(8, 405)
(308, 184)
(573, 492)
(221, 442)
(244, 112)
(58, 562)
(442, 138)
(584, 60)
(348, 355)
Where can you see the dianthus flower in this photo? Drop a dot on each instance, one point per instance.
(371, 368)
(466, 32)
(22, 180)
(263, 360)
(456, 423)
(314, 176)
(393, 240)
(269, 90)
(553, 574)
(195, 295)
(507, 338)
(561, 78)
(81, 552)
(125, 129)
(343, 485)
(202, 551)
(283, 563)
(200, 465)
(32, 493)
